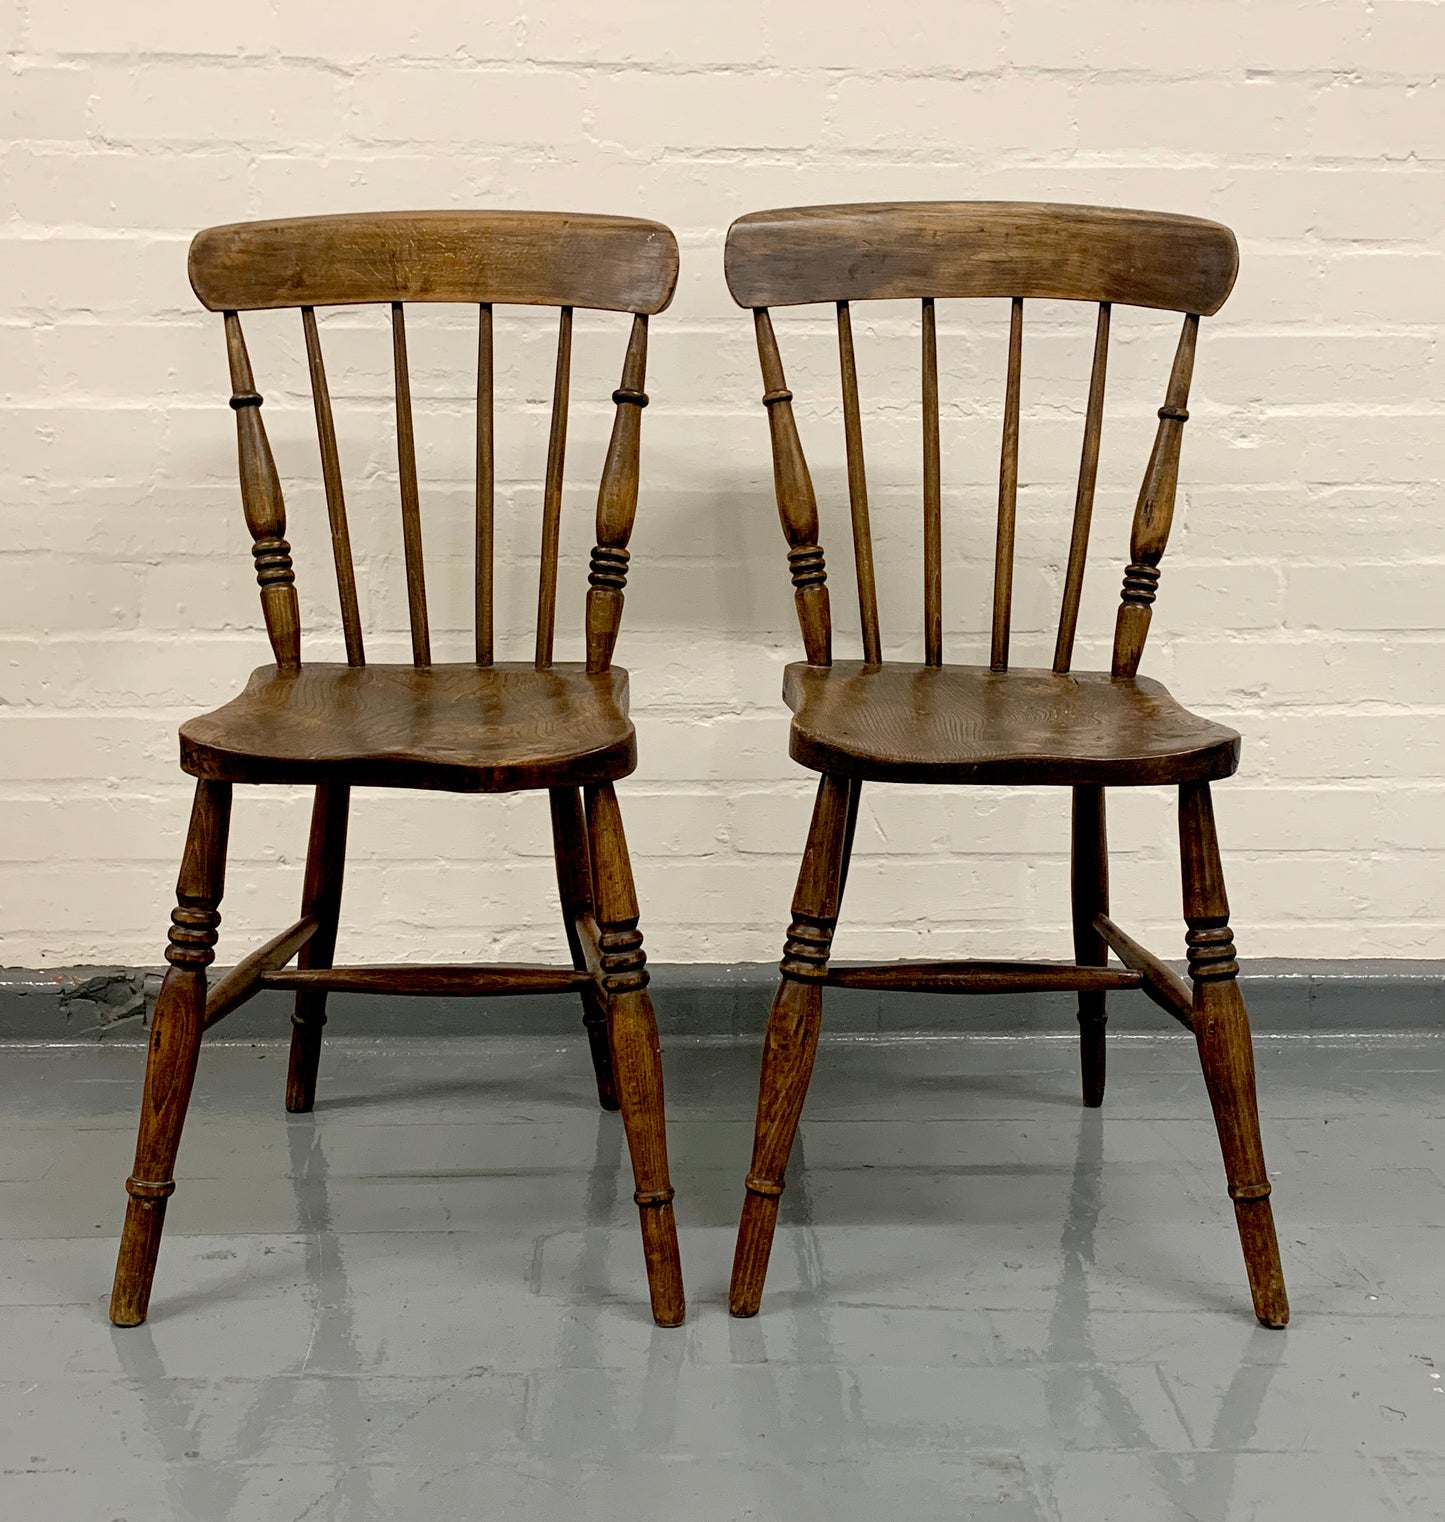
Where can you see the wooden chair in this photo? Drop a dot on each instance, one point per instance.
(887, 721)
(487, 726)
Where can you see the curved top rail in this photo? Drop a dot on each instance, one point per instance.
(526, 258)
(913, 249)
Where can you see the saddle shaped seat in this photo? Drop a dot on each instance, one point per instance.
(914, 723)
(461, 728)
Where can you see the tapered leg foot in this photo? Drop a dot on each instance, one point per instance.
(321, 896)
(635, 1061)
(175, 1045)
(788, 1054)
(792, 1039)
(1089, 883)
(574, 886)
(1226, 1053)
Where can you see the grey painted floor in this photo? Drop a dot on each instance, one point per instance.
(426, 1301)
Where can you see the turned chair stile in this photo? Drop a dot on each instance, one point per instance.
(890, 721)
(481, 727)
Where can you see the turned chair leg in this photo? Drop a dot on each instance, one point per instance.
(574, 887)
(636, 1052)
(175, 1042)
(1221, 1028)
(792, 1040)
(321, 896)
(1089, 883)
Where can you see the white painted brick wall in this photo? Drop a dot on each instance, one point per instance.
(1303, 597)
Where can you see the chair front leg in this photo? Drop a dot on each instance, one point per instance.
(792, 1039)
(175, 1043)
(321, 896)
(636, 1051)
(1089, 884)
(1221, 1028)
(574, 887)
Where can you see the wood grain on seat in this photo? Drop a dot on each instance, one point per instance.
(913, 723)
(463, 728)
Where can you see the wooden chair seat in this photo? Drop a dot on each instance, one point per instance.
(459, 728)
(916, 723)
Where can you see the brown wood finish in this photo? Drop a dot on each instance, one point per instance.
(982, 977)
(1154, 513)
(321, 900)
(426, 980)
(797, 506)
(932, 496)
(264, 506)
(899, 722)
(1084, 497)
(486, 486)
(1089, 894)
(522, 258)
(244, 979)
(636, 1053)
(483, 726)
(1158, 980)
(573, 857)
(175, 1045)
(858, 488)
(410, 499)
(552, 493)
(1221, 1027)
(616, 505)
(792, 1039)
(908, 250)
(335, 493)
(1008, 491)
(462, 728)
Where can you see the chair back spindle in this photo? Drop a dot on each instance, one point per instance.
(410, 502)
(264, 506)
(1008, 490)
(1154, 512)
(335, 495)
(552, 493)
(932, 496)
(1084, 497)
(1023, 251)
(858, 490)
(617, 503)
(486, 486)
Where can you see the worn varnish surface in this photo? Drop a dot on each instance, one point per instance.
(889, 721)
(914, 249)
(465, 728)
(531, 258)
(913, 723)
(478, 727)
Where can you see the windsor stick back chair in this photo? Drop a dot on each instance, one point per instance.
(486, 726)
(889, 721)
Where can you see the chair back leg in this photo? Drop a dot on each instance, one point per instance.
(1089, 883)
(321, 897)
(175, 1045)
(574, 887)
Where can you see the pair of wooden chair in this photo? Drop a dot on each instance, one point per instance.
(489, 726)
